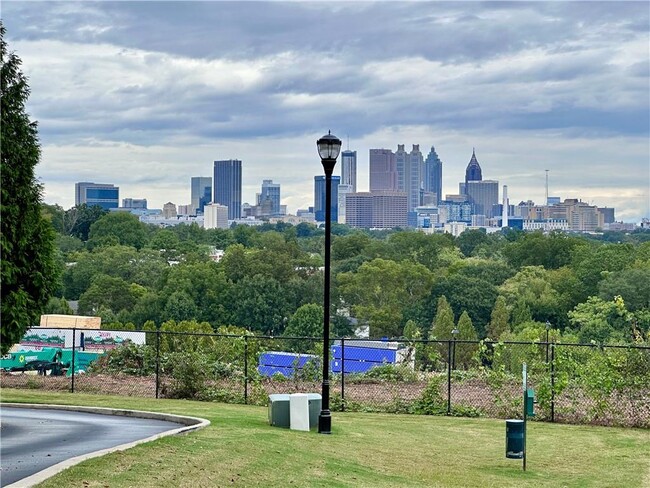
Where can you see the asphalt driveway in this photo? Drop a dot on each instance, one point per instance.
(35, 439)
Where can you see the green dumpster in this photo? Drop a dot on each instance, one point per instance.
(514, 439)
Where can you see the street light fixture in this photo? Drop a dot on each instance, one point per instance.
(329, 147)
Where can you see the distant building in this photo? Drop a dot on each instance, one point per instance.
(451, 211)
(104, 195)
(410, 173)
(389, 209)
(553, 200)
(483, 195)
(473, 171)
(215, 216)
(608, 214)
(383, 170)
(358, 210)
(201, 193)
(169, 211)
(140, 203)
(580, 216)
(270, 193)
(433, 175)
(319, 198)
(343, 191)
(226, 188)
(546, 225)
(186, 210)
(382, 209)
(349, 169)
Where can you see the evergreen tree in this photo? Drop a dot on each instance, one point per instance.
(28, 270)
(443, 323)
(499, 319)
(467, 332)
(441, 329)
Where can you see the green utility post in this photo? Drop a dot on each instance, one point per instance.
(515, 428)
(529, 407)
(525, 378)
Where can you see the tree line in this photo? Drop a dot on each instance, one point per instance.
(507, 285)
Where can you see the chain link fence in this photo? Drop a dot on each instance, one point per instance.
(574, 383)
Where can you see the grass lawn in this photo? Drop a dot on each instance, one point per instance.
(373, 450)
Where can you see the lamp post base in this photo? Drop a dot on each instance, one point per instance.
(325, 422)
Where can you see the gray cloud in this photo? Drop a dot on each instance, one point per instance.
(207, 76)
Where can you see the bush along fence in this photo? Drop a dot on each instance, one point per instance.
(574, 383)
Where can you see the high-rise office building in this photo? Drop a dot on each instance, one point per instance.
(473, 171)
(433, 174)
(102, 194)
(401, 157)
(270, 193)
(226, 184)
(383, 170)
(483, 195)
(410, 173)
(319, 198)
(414, 177)
(349, 169)
(201, 192)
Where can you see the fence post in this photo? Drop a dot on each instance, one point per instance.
(74, 337)
(246, 370)
(552, 382)
(449, 377)
(342, 374)
(157, 362)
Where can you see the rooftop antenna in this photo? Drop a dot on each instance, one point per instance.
(348, 142)
(546, 187)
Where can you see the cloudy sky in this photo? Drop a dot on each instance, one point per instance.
(146, 95)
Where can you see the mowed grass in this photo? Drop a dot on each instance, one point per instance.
(364, 450)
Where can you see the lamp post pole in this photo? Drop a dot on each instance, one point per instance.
(328, 149)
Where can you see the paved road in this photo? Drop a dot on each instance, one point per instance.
(34, 439)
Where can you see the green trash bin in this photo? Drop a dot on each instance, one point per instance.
(315, 405)
(514, 439)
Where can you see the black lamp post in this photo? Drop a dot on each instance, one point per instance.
(329, 147)
(455, 333)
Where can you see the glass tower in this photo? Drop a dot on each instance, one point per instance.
(227, 186)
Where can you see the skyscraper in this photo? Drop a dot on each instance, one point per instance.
(433, 174)
(473, 171)
(414, 176)
(227, 186)
(483, 195)
(201, 187)
(271, 192)
(349, 169)
(383, 170)
(410, 173)
(102, 194)
(319, 198)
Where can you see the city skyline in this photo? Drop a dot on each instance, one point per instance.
(119, 100)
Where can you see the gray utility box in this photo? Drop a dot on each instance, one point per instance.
(279, 409)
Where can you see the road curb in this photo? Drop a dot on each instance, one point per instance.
(189, 424)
